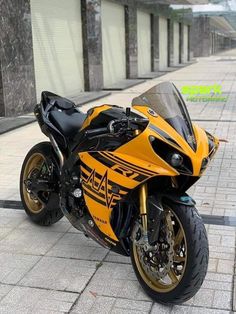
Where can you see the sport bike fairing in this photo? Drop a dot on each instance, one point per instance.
(165, 100)
(108, 176)
(121, 177)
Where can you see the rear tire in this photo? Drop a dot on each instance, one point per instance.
(196, 263)
(38, 213)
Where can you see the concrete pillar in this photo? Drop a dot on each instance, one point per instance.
(201, 36)
(227, 43)
(17, 83)
(2, 106)
(190, 53)
(213, 42)
(92, 44)
(170, 42)
(155, 42)
(216, 43)
(131, 41)
(181, 43)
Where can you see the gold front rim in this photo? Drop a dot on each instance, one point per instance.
(172, 279)
(35, 162)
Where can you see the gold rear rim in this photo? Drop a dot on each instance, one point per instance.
(34, 163)
(174, 276)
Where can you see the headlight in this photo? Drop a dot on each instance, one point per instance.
(205, 163)
(176, 160)
(181, 162)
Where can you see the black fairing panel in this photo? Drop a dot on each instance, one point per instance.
(105, 142)
(108, 142)
(108, 115)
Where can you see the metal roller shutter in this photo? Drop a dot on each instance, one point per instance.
(176, 43)
(163, 43)
(57, 44)
(185, 43)
(144, 42)
(113, 42)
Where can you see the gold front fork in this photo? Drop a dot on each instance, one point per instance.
(143, 205)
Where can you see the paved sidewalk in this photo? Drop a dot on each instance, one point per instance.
(58, 270)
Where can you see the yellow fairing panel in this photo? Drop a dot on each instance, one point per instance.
(141, 148)
(107, 177)
(94, 112)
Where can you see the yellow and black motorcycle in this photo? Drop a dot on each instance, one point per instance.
(121, 177)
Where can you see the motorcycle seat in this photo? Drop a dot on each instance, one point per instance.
(68, 122)
(62, 113)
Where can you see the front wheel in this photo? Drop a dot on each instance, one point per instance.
(174, 269)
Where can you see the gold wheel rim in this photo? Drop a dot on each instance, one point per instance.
(35, 162)
(158, 285)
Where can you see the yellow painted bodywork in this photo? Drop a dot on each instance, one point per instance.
(131, 165)
(95, 112)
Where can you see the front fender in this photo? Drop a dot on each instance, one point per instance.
(176, 198)
(155, 211)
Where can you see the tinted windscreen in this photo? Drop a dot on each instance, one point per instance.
(167, 102)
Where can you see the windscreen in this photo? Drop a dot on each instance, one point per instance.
(167, 102)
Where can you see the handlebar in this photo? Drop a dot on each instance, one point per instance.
(116, 127)
(95, 132)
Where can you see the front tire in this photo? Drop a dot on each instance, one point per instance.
(194, 266)
(41, 214)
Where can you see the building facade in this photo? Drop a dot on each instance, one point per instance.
(72, 46)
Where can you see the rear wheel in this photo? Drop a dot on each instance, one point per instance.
(42, 206)
(173, 271)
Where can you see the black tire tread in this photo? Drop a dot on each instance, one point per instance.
(197, 262)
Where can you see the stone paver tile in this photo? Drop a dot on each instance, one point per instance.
(4, 232)
(30, 300)
(219, 277)
(60, 274)
(213, 229)
(221, 252)
(217, 285)
(131, 306)
(116, 258)
(61, 226)
(228, 241)
(4, 289)
(29, 241)
(212, 265)
(222, 300)
(161, 309)
(204, 297)
(214, 239)
(74, 230)
(117, 280)
(75, 245)
(225, 266)
(14, 266)
(90, 302)
(11, 218)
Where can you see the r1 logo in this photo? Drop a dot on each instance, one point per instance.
(125, 172)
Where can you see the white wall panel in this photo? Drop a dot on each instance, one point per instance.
(144, 42)
(113, 42)
(57, 43)
(162, 43)
(176, 43)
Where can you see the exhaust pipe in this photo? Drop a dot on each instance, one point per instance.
(57, 150)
